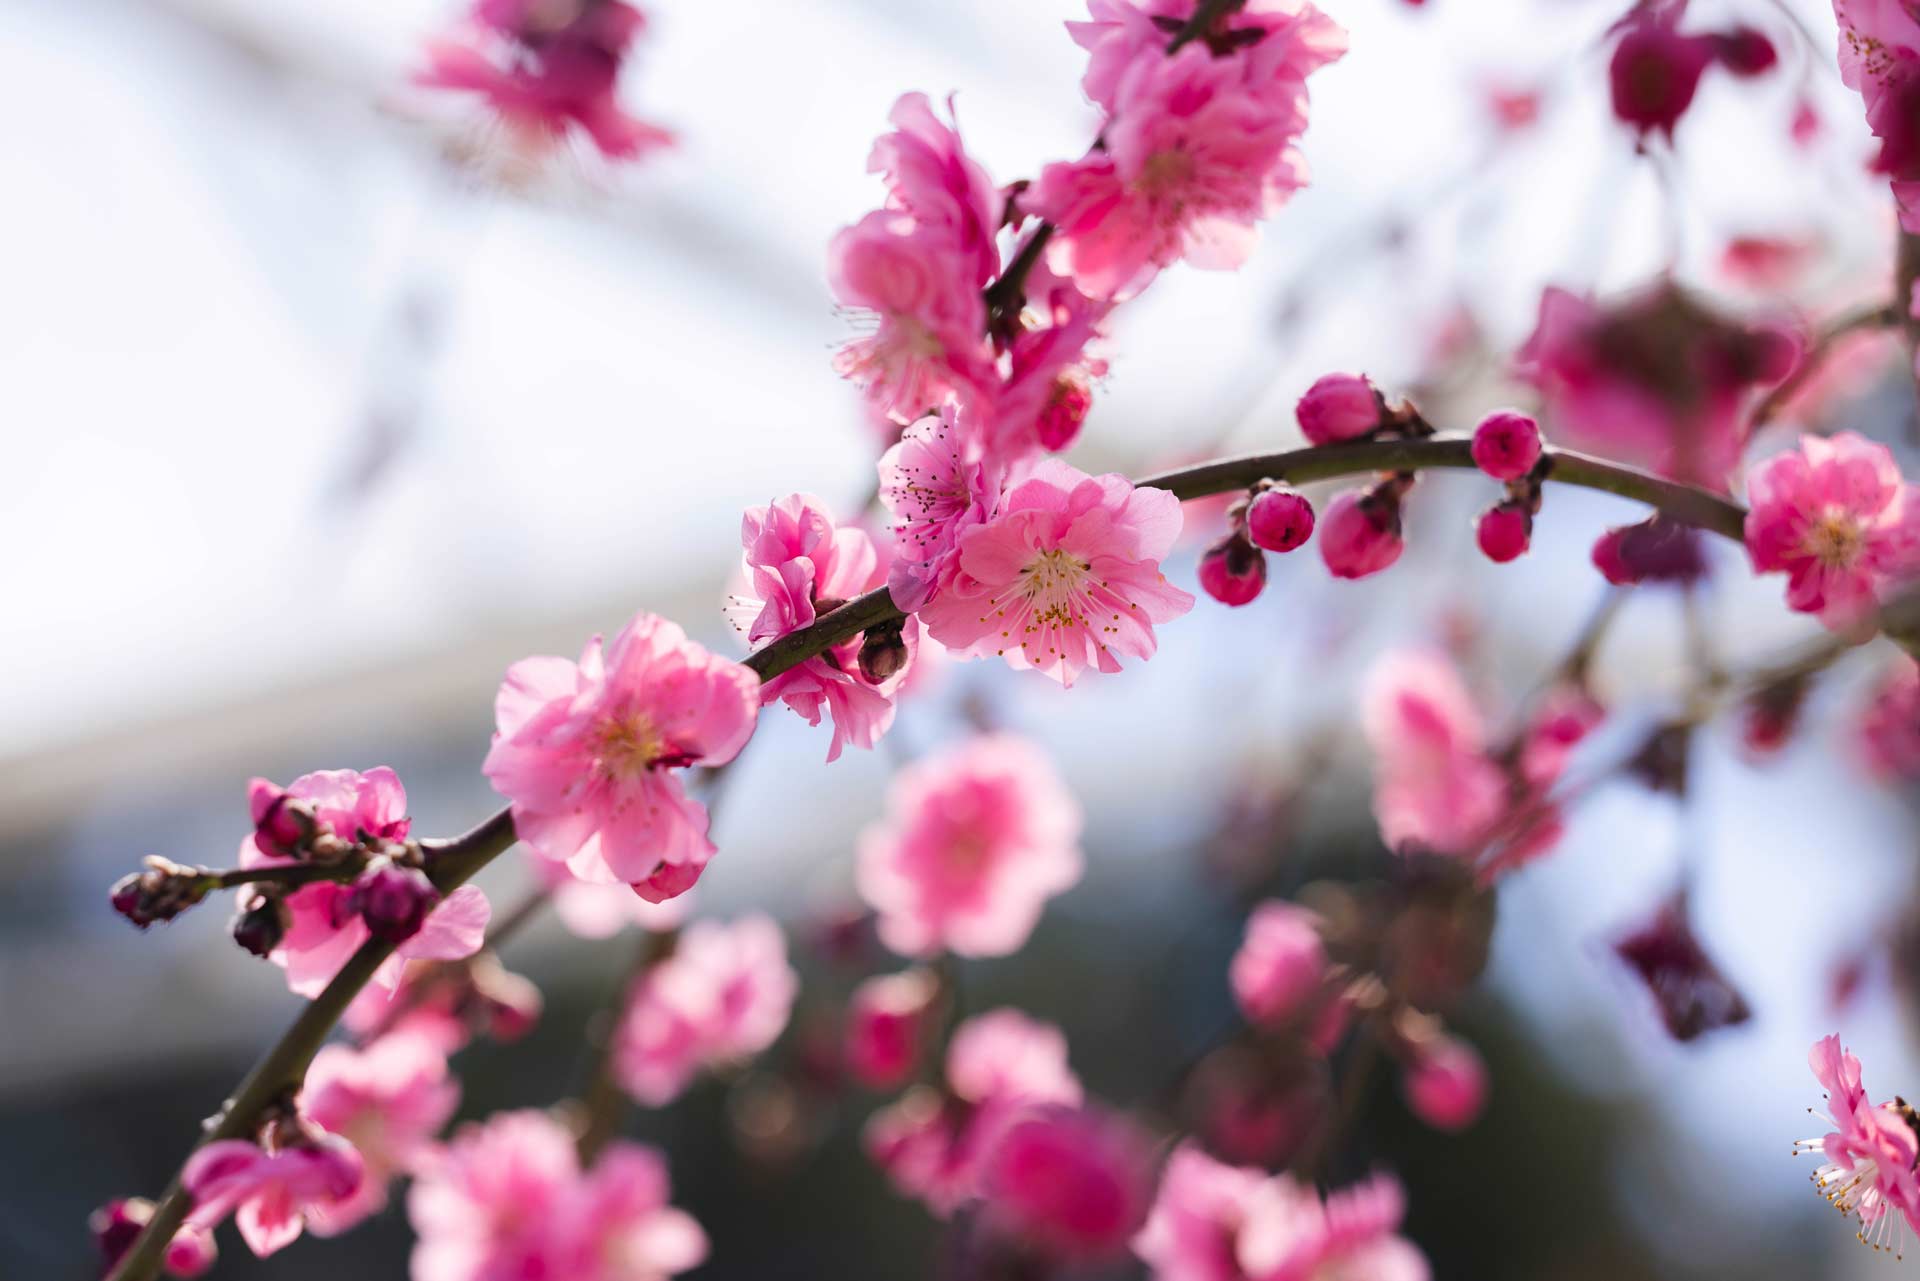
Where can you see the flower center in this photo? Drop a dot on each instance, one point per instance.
(1051, 581)
(1165, 173)
(1835, 539)
(626, 747)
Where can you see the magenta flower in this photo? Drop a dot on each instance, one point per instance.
(930, 177)
(937, 482)
(799, 565)
(1069, 1183)
(1887, 730)
(974, 843)
(887, 1023)
(724, 995)
(1284, 40)
(323, 923)
(1655, 71)
(272, 1195)
(586, 752)
(389, 1100)
(1280, 969)
(507, 1201)
(1065, 576)
(1868, 1172)
(1435, 788)
(1838, 520)
(118, 1224)
(1880, 57)
(1446, 1084)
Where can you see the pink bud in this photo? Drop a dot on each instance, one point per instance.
(886, 1023)
(510, 1003)
(1504, 532)
(1279, 519)
(282, 825)
(1068, 404)
(1360, 532)
(1655, 72)
(393, 901)
(1339, 407)
(1446, 1085)
(1655, 550)
(117, 1224)
(1281, 966)
(261, 927)
(1506, 445)
(1745, 51)
(1233, 571)
(1073, 1184)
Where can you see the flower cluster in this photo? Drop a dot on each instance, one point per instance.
(1880, 57)
(1868, 1168)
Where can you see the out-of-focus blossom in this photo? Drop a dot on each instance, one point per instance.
(974, 843)
(887, 1026)
(586, 752)
(1280, 970)
(601, 909)
(723, 995)
(1435, 788)
(1868, 1170)
(1656, 70)
(1065, 576)
(937, 483)
(1766, 264)
(388, 1100)
(1836, 517)
(799, 565)
(1069, 1183)
(1446, 1084)
(1655, 550)
(1692, 994)
(118, 1224)
(1887, 730)
(447, 1005)
(272, 1195)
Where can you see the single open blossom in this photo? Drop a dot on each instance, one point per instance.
(723, 995)
(1434, 786)
(1880, 57)
(1888, 728)
(1281, 966)
(974, 843)
(1197, 149)
(118, 1224)
(1069, 1183)
(999, 1065)
(799, 565)
(887, 1024)
(272, 1195)
(1065, 576)
(546, 70)
(508, 1200)
(389, 1100)
(323, 923)
(930, 177)
(1838, 520)
(1233, 571)
(1214, 1222)
(1868, 1170)
(586, 752)
(938, 482)
(1045, 391)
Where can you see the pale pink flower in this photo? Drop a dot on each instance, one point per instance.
(1880, 57)
(1283, 41)
(545, 78)
(388, 1100)
(930, 177)
(323, 927)
(1888, 727)
(1446, 1084)
(1065, 576)
(1868, 1171)
(598, 910)
(723, 995)
(799, 565)
(887, 1018)
(1070, 1183)
(586, 752)
(1434, 787)
(1192, 1232)
(271, 1195)
(118, 1224)
(1838, 520)
(937, 483)
(1281, 966)
(975, 842)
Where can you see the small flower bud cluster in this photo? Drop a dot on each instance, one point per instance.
(1506, 446)
(160, 893)
(1272, 517)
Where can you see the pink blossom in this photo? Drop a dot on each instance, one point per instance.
(272, 1195)
(1046, 392)
(1838, 520)
(446, 1006)
(388, 1100)
(598, 910)
(544, 78)
(1880, 57)
(1506, 445)
(1566, 714)
(324, 926)
(507, 1200)
(723, 995)
(1888, 727)
(799, 565)
(1868, 1171)
(1446, 1084)
(1282, 41)
(1281, 966)
(974, 842)
(1192, 1232)
(1434, 786)
(886, 1025)
(1065, 576)
(937, 482)
(585, 751)
(1071, 1183)
(1655, 70)
(118, 1224)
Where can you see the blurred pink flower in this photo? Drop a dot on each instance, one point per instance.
(1434, 786)
(1868, 1171)
(974, 842)
(389, 1100)
(1837, 518)
(1446, 1084)
(1692, 994)
(1070, 1183)
(1281, 966)
(270, 1195)
(1064, 576)
(118, 1224)
(585, 751)
(1192, 1232)
(887, 1026)
(1888, 727)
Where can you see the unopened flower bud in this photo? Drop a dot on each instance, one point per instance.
(1340, 407)
(1655, 72)
(1279, 519)
(283, 825)
(1745, 51)
(1360, 531)
(509, 1003)
(1506, 445)
(159, 893)
(118, 1224)
(1656, 550)
(1068, 404)
(1446, 1084)
(392, 900)
(261, 927)
(1233, 571)
(1504, 531)
(883, 653)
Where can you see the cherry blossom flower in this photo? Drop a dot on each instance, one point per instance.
(1340, 407)
(1065, 576)
(1191, 1233)
(800, 565)
(1434, 787)
(1070, 1183)
(938, 482)
(1838, 520)
(323, 925)
(1691, 992)
(974, 842)
(1868, 1171)
(930, 177)
(1887, 730)
(1880, 57)
(887, 1019)
(1446, 1084)
(545, 70)
(999, 1064)
(1282, 42)
(598, 910)
(586, 752)
(1281, 966)
(1655, 70)
(118, 1224)
(1506, 445)
(272, 1195)
(723, 995)
(388, 1100)
(508, 1199)
(1046, 390)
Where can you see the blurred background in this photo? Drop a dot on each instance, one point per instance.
(311, 430)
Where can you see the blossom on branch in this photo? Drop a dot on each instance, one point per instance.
(389, 1099)
(273, 1194)
(1868, 1167)
(1880, 57)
